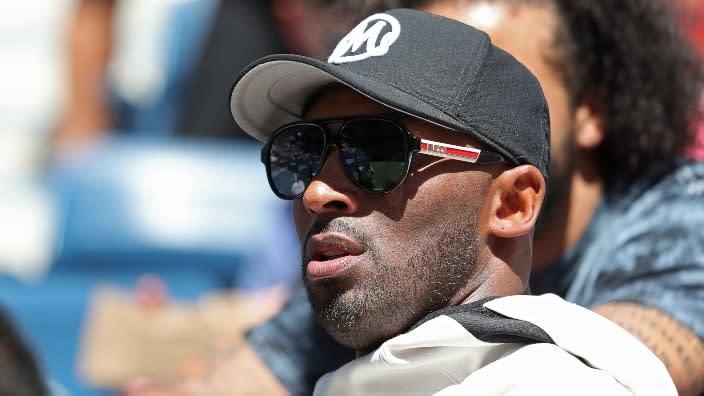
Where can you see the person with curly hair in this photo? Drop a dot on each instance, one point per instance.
(621, 227)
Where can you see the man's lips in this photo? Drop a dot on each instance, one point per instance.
(329, 254)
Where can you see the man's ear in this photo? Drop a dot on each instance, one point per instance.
(589, 121)
(517, 196)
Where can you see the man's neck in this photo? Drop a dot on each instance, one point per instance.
(571, 220)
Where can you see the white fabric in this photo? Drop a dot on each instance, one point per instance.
(600, 342)
(440, 357)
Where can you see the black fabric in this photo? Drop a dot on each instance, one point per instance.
(242, 31)
(20, 374)
(490, 326)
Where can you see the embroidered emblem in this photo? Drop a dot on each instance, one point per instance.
(378, 32)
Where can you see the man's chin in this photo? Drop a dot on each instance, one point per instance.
(343, 315)
(358, 338)
(358, 314)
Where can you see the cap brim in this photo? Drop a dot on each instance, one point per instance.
(274, 90)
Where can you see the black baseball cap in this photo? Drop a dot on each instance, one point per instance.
(427, 66)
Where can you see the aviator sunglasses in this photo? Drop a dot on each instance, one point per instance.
(374, 151)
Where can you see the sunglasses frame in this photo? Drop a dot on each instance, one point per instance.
(413, 145)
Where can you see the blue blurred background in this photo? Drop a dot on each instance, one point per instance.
(113, 166)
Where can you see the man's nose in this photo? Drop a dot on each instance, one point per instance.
(331, 191)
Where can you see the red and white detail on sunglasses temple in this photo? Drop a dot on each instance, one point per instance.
(469, 154)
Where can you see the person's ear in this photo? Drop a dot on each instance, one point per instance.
(589, 122)
(517, 196)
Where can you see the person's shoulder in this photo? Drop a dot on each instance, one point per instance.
(598, 342)
(690, 176)
(491, 345)
(651, 227)
(662, 192)
(673, 178)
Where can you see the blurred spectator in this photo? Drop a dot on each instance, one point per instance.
(19, 372)
(108, 99)
(202, 47)
(147, 193)
(131, 71)
(30, 59)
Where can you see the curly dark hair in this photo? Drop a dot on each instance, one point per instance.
(632, 55)
(648, 76)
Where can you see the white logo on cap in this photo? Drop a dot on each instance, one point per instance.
(368, 32)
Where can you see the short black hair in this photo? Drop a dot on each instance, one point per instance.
(632, 56)
(20, 374)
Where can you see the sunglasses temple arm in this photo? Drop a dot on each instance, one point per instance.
(490, 157)
(466, 154)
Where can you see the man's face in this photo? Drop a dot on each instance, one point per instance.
(374, 264)
(527, 31)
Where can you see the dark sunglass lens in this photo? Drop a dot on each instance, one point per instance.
(374, 153)
(295, 155)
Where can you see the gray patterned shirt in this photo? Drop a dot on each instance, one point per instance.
(645, 244)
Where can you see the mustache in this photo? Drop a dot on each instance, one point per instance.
(340, 226)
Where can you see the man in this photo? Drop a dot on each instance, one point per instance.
(620, 233)
(418, 172)
(631, 251)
